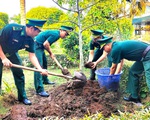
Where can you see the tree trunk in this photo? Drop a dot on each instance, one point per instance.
(80, 47)
(80, 37)
(22, 12)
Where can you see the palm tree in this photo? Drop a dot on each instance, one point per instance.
(22, 12)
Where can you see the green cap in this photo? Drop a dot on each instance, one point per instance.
(105, 41)
(68, 29)
(97, 32)
(36, 23)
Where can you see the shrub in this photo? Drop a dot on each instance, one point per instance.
(4, 17)
(2, 24)
(61, 58)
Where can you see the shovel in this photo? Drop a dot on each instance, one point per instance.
(63, 70)
(77, 75)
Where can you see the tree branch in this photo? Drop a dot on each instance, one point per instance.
(89, 6)
(75, 10)
(91, 26)
(63, 7)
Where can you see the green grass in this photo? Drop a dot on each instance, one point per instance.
(3, 110)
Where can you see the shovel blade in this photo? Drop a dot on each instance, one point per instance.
(66, 72)
(79, 75)
(79, 81)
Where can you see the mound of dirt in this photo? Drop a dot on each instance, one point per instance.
(68, 102)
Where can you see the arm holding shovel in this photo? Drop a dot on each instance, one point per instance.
(6, 62)
(35, 62)
(63, 70)
(46, 45)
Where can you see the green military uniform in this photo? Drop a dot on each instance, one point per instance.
(52, 36)
(13, 37)
(133, 50)
(98, 51)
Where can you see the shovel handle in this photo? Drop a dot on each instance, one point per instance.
(36, 70)
(59, 65)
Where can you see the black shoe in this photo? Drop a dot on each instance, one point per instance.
(43, 94)
(26, 101)
(131, 99)
(48, 83)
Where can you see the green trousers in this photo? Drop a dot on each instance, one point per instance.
(135, 72)
(38, 78)
(17, 74)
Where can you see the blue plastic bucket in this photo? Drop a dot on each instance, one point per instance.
(111, 82)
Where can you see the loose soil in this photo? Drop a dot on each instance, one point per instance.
(68, 101)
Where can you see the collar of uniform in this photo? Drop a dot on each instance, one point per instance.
(23, 32)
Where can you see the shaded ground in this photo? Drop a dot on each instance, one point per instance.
(68, 102)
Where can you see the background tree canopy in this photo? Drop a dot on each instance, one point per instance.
(102, 15)
(52, 15)
(3, 19)
(110, 16)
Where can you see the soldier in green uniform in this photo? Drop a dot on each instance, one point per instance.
(43, 42)
(14, 37)
(134, 51)
(95, 54)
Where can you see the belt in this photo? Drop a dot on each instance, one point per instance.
(39, 45)
(146, 51)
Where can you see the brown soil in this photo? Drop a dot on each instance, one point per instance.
(69, 102)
